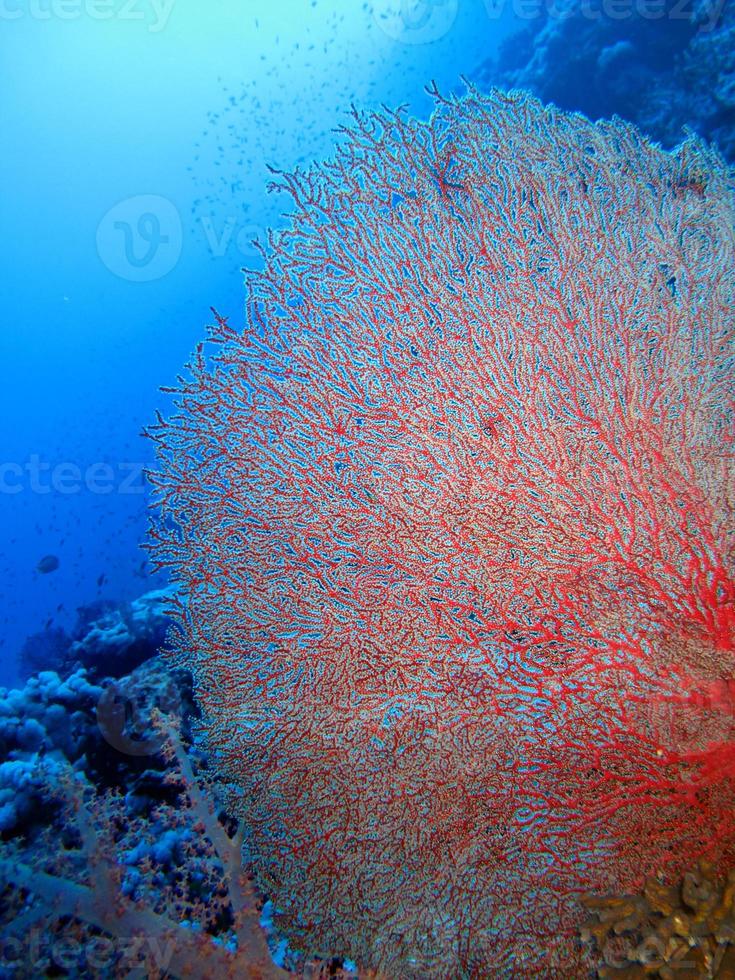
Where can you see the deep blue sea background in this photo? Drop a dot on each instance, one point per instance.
(135, 143)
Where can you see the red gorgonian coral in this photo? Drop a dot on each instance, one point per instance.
(452, 517)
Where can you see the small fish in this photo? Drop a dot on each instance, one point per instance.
(49, 563)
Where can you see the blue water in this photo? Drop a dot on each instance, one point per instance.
(135, 140)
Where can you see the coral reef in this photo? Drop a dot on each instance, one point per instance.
(451, 521)
(163, 890)
(50, 719)
(665, 66)
(110, 639)
(115, 855)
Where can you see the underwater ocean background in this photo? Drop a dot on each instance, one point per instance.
(145, 150)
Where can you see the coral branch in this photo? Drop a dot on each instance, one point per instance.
(452, 517)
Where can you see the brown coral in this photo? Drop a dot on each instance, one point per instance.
(685, 929)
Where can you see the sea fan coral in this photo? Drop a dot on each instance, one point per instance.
(452, 519)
